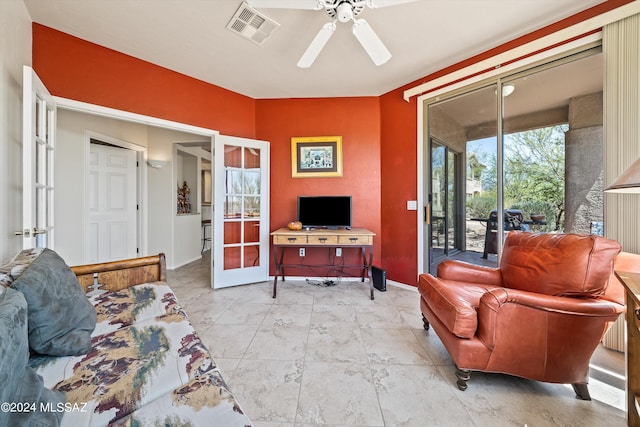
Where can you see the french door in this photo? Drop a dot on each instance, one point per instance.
(38, 145)
(240, 213)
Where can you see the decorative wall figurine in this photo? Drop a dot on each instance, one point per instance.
(184, 201)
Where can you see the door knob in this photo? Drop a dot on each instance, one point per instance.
(25, 233)
(39, 231)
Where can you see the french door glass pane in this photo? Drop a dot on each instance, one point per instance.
(232, 257)
(251, 255)
(242, 207)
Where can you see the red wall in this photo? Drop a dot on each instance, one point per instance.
(76, 69)
(399, 185)
(357, 121)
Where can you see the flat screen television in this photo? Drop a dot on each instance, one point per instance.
(324, 211)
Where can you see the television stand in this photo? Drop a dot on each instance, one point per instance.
(359, 238)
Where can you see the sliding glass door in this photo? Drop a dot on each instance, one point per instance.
(530, 159)
(445, 198)
(460, 190)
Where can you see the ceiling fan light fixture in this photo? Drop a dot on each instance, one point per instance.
(344, 12)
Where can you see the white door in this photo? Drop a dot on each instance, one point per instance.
(112, 195)
(240, 211)
(38, 144)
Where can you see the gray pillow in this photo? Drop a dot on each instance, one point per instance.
(20, 383)
(61, 318)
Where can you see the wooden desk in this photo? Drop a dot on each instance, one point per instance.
(631, 283)
(361, 238)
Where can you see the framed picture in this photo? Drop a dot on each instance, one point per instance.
(317, 156)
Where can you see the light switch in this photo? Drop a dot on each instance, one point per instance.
(412, 205)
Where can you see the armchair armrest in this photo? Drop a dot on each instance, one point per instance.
(465, 272)
(502, 304)
(496, 298)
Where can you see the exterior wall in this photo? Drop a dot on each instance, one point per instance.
(15, 51)
(584, 164)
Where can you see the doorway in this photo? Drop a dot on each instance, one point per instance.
(112, 195)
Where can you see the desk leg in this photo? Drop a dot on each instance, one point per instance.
(279, 268)
(366, 267)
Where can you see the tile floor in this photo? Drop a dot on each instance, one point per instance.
(330, 356)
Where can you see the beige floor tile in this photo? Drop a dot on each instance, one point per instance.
(335, 344)
(332, 357)
(268, 390)
(288, 315)
(279, 343)
(394, 346)
(338, 393)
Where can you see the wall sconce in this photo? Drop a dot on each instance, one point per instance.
(508, 89)
(157, 164)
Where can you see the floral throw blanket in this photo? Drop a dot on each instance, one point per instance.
(147, 367)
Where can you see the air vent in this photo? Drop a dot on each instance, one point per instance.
(251, 24)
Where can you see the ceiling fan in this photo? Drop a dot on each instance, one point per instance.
(339, 10)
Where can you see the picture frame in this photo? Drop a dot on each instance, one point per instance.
(316, 156)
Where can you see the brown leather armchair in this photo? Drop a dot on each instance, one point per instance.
(540, 315)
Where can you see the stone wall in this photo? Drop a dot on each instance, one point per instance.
(584, 164)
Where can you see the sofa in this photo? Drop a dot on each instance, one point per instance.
(539, 315)
(103, 345)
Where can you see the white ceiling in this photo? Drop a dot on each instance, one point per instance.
(190, 37)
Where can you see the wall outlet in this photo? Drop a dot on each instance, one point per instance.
(301, 251)
(338, 251)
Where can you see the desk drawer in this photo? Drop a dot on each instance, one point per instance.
(354, 240)
(323, 240)
(289, 240)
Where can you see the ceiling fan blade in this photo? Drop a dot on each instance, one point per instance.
(371, 42)
(384, 3)
(316, 45)
(287, 4)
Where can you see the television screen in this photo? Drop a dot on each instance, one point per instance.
(324, 211)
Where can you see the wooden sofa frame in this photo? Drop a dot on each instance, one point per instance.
(117, 275)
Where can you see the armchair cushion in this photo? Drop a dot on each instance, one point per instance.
(555, 264)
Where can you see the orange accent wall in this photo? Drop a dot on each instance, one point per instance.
(76, 69)
(357, 120)
(399, 185)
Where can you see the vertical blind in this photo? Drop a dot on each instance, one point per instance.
(621, 48)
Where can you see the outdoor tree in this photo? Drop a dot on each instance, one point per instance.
(533, 172)
(534, 169)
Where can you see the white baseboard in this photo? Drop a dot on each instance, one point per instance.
(173, 267)
(348, 279)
